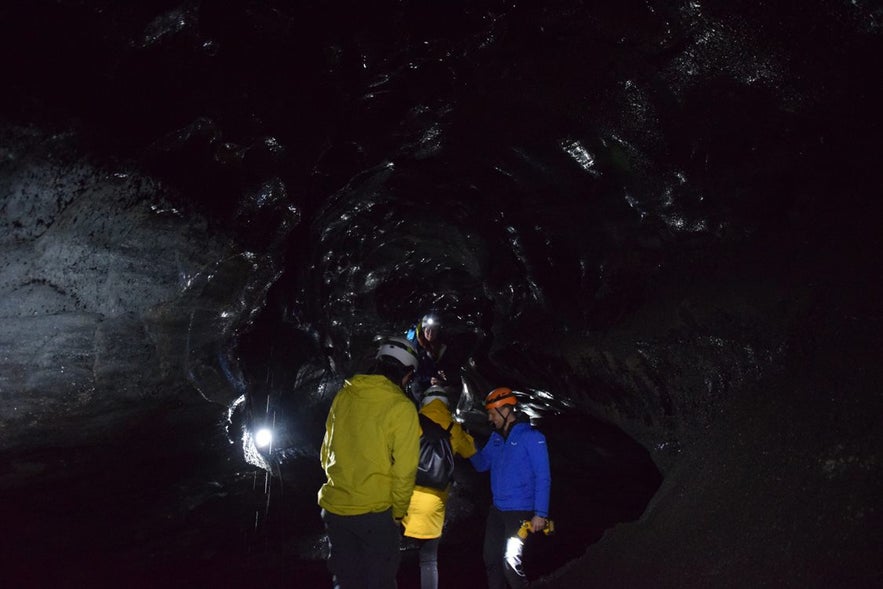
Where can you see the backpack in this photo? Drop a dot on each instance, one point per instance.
(436, 465)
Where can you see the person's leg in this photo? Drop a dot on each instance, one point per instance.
(512, 567)
(344, 549)
(429, 563)
(364, 550)
(494, 543)
(382, 556)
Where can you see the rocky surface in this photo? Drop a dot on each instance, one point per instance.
(658, 221)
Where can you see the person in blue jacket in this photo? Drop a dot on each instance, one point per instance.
(517, 456)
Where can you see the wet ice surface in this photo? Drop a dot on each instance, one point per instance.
(642, 209)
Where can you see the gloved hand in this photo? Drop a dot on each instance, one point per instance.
(536, 524)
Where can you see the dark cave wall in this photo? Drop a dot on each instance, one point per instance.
(665, 214)
(777, 491)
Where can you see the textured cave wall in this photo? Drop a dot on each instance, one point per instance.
(113, 300)
(775, 485)
(663, 214)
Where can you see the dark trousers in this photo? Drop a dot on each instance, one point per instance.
(364, 550)
(503, 549)
(429, 563)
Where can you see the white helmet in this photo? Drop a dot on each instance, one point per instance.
(400, 349)
(436, 392)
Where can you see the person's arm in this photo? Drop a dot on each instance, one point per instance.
(538, 454)
(405, 454)
(481, 460)
(462, 442)
(325, 451)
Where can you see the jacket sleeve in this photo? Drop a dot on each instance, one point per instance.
(481, 460)
(405, 451)
(462, 442)
(325, 451)
(538, 453)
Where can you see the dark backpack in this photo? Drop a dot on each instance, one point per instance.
(436, 465)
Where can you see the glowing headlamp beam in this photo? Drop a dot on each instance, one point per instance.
(263, 437)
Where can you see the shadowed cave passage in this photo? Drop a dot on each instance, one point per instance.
(600, 476)
(663, 213)
(134, 508)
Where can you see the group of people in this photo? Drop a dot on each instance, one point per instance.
(370, 456)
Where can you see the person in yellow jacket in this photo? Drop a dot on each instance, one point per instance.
(426, 513)
(369, 454)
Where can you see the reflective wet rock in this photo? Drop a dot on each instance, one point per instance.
(656, 221)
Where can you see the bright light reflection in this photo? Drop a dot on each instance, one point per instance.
(580, 155)
(514, 547)
(263, 437)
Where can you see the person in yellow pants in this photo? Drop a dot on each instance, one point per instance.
(426, 512)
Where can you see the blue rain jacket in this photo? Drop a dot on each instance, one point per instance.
(519, 465)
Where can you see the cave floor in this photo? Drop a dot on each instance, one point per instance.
(169, 501)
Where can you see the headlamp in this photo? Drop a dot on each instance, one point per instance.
(263, 437)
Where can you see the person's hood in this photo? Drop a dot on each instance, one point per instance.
(372, 386)
(438, 411)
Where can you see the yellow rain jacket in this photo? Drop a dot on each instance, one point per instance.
(426, 513)
(370, 449)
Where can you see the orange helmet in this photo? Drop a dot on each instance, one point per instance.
(499, 397)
